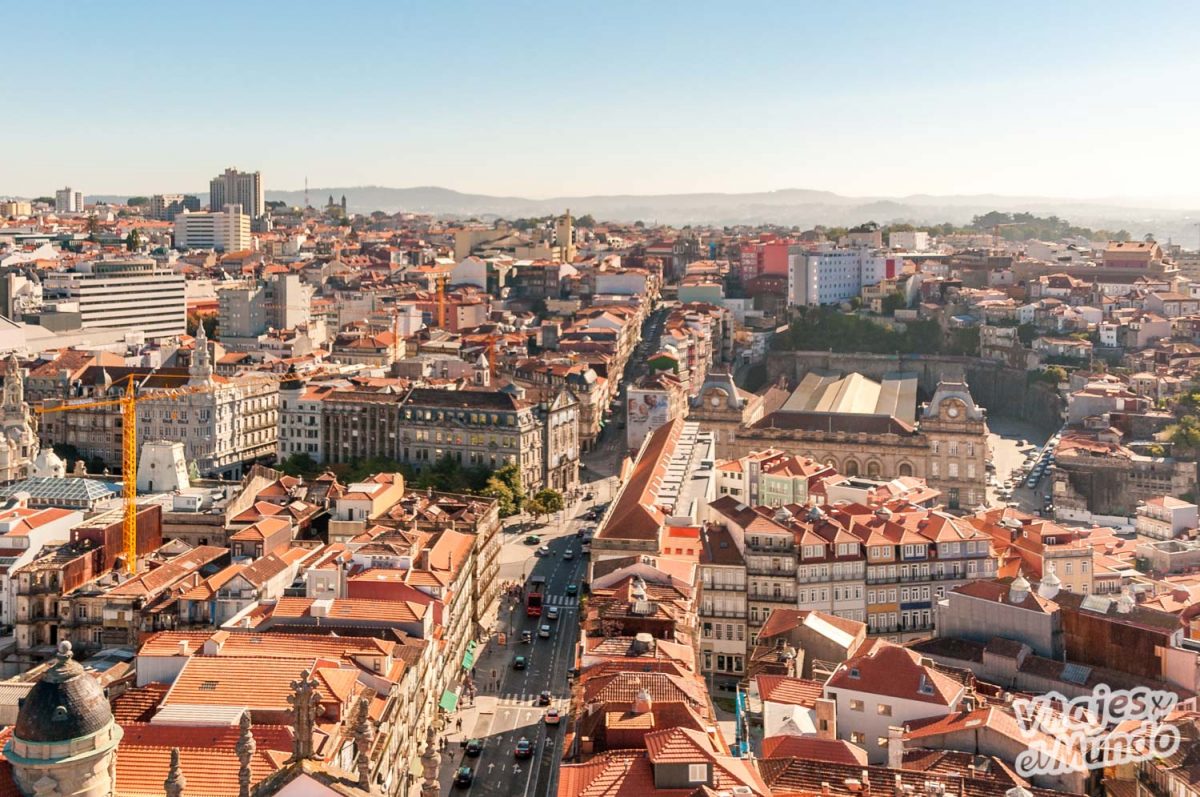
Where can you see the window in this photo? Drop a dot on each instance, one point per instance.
(881, 741)
(697, 773)
(857, 737)
(884, 710)
(856, 705)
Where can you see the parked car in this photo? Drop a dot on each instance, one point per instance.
(519, 663)
(474, 747)
(533, 539)
(463, 776)
(524, 748)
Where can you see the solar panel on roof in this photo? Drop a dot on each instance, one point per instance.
(1076, 673)
(1095, 603)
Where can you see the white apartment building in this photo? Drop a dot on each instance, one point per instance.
(300, 428)
(128, 293)
(1165, 517)
(226, 231)
(225, 428)
(909, 241)
(830, 275)
(68, 200)
(237, 188)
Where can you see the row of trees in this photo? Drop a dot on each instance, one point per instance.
(1012, 227)
(446, 475)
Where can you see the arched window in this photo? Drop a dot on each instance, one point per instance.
(874, 469)
(850, 468)
(906, 469)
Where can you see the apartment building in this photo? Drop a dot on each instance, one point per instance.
(250, 309)
(165, 207)
(126, 293)
(724, 633)
(830, 275)
(1164, 517)
(237, 188)
(226, 230)
(68, 200)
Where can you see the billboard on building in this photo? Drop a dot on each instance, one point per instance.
(645, 411)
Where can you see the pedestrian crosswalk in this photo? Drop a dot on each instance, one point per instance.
(528, 699)
(560, 600)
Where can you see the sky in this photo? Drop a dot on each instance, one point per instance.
(1067, 99)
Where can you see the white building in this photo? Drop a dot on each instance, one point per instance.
(1165, 517)
(887, 687)
(68, 200)
(224, 426)
(237, 188)
(18, 441)
(129, 294)
(24, 531)
(300, 426)
(226, 231)
(909, 241)
(831, 275)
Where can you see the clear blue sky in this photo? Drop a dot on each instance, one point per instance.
(1084, 99)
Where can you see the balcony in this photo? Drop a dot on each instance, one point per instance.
(734, 613)
(789, 599)
(779, 572)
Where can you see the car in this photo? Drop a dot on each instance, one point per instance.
(523, 749)
(474, 747)
(552, 716)
(544, 631)
(463, 776)
(544, 698)
(543, 551)
(533, 539)
(526, 636)
(568, 554)
(572, 589)
(588, 496)
(551, 612)
(519, 663)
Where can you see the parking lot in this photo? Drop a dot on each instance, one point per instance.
(1009, 457)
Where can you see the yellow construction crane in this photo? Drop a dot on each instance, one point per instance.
(128, 402)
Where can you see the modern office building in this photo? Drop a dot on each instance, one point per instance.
(227, 230)
(237, 188)
(68, 200)
(126, 293)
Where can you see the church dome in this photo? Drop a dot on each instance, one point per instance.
(65, 704)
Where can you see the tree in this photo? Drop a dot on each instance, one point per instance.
(894, 301)
(496, 488)
(43, 200)
(1055, 374)
(133, 241)
(511, 476)
(93, 227)
(552, 500)
(137, 201)
(210, 324)
(536, 508)
(1027, 333)
(1187, 433)
(301, 465)
(585, 221)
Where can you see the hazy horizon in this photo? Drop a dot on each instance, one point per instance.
(540, 100)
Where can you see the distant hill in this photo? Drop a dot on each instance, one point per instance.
(793, 206)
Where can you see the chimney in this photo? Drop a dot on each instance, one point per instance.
(895, 747)
(825, 790)
(184, 648)
(898, 786)
(826, 716)
(866, 782)
(642, 704)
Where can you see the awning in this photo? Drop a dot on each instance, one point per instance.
(469, 656)
(449, 701)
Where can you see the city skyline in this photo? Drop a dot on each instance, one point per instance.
(541, 100)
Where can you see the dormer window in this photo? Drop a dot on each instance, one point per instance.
(697, 773)
(854, 672)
